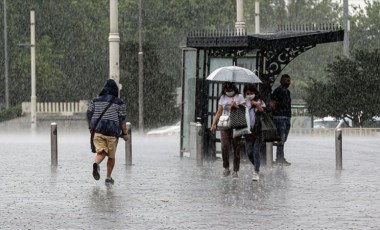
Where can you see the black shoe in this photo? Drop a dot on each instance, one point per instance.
(95, 171)
(109, 180)
(282, 162)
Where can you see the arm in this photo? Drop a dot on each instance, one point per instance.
(257, 105)
(124, 131)
(216, 119)
(90, 113)
(239, 103)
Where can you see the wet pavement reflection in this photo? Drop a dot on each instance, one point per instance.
(163, 191)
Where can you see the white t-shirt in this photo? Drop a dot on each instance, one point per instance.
(226, 101)
(252, 111)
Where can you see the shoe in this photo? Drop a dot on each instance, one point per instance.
(286, 163)
(235, 175)
(255, 176)
(226, 172)
(109, 180)
(283, 162)
(95, 171)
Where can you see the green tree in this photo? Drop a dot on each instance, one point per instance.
(351, 89)
(365, 27)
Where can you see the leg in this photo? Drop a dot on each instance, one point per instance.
(236, 142)
(110, 165)
(100, 157)
(112, 146)
(249, 141)
(256, 153)
(225, 137)
(281, 128)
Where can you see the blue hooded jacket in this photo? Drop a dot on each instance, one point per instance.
(112, 119)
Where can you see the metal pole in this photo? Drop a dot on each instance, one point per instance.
(346, 41)
(240, 24)
(338, 149)
(199, 145)
(114, 40)
(141, 75)
(33, 97)
(128, 146)
(269, 153)
(53, 142)
(6, 56)
(257, 17)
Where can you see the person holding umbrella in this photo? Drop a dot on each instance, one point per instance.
(230, 99)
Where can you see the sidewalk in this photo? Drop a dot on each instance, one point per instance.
(163, 191)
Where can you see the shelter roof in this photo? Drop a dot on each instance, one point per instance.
(263, 41)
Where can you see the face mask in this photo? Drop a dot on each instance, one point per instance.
(250, 97)
(230, 94)
(286, 85)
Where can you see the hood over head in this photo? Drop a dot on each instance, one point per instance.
(110, 88)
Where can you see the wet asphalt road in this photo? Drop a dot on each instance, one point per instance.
(163, 191)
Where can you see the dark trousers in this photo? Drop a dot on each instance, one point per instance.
(283, 127)
(227, 141)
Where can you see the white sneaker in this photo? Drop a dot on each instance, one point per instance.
(226, 172)
(255, 176)
(235, 175)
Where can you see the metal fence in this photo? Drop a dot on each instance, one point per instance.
(331, 131)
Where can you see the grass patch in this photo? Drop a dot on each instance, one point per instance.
(12, 112)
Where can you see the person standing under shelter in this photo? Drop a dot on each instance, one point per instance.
(280, 105)
(229, 99)
(109, 128)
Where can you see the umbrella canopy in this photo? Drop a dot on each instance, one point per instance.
(233, 74)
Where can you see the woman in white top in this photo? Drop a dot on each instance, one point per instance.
(253, 141)
(229, 99)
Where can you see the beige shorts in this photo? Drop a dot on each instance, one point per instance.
(106, 143)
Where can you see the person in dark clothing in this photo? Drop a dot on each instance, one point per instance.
(280, 105)
(109, 127)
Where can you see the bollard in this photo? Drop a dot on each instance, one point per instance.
(128, 145)
(53, 142)
(338, 149)
(199, 144)
(269, 153)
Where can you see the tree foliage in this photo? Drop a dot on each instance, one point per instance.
(351, 90)
(72, 45)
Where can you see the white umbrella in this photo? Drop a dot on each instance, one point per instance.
(233, 74)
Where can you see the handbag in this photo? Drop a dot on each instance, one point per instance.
(93, 149)
(268, 128)
(238, 119)
(223, 122)
(243, 131)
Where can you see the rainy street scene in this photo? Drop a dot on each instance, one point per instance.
(206, 114)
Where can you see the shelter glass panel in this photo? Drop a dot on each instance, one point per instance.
(189, 88)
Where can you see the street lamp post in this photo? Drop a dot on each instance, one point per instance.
(141, 75)
(6, 55)
(240, 23)
(346, 25)
(33, 97)
(257, 17)
(114, 40)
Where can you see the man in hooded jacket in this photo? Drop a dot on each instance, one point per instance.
(109, 128)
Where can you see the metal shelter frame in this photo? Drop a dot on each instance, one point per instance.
(271, 52)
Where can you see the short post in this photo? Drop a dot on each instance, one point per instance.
(128, 145)
(269, 153)
(53, 141)
(199, 144)
(338, 148)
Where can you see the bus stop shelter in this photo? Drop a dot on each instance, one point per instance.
(265, 54)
